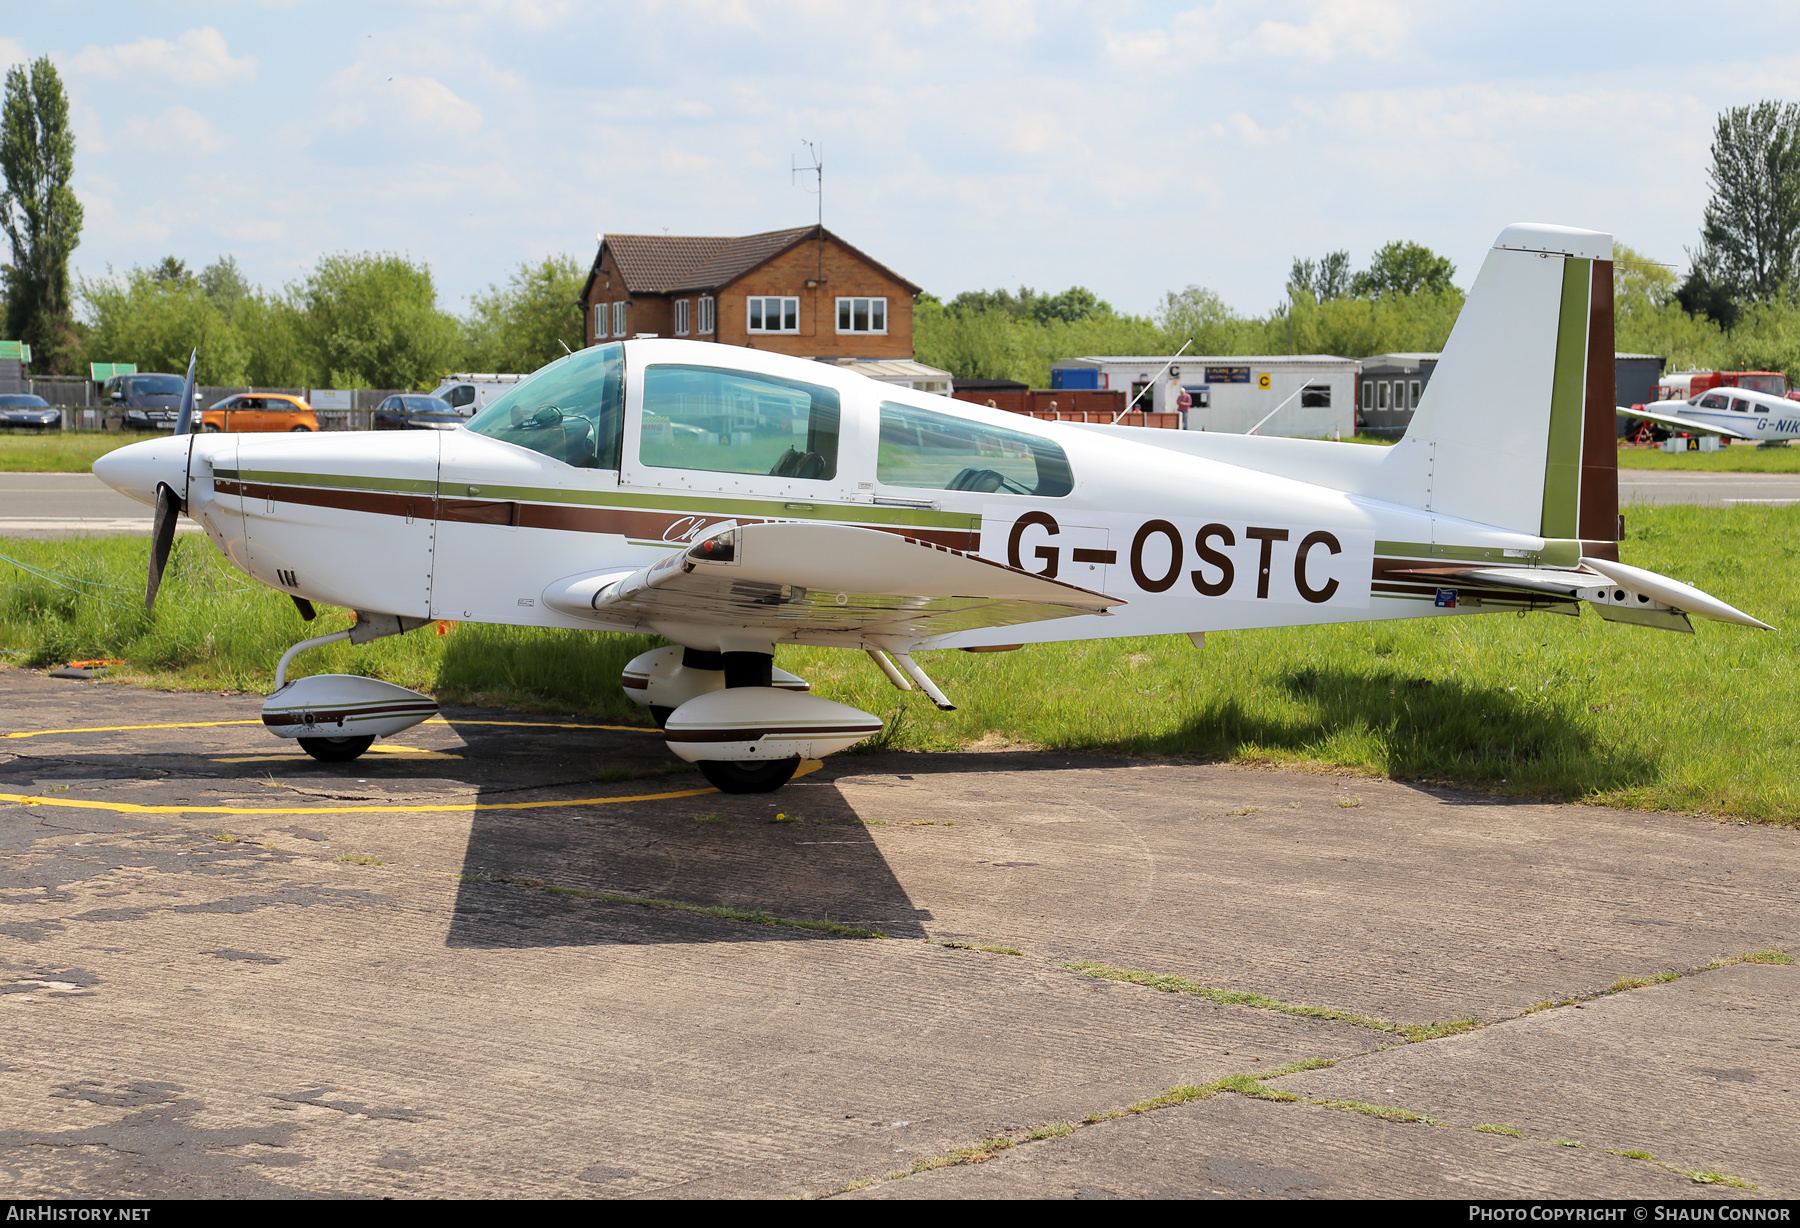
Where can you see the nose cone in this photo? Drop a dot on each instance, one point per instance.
(137, 469)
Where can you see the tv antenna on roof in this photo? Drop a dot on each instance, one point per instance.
(815, 166)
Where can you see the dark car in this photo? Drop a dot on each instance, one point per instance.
(151, 402)
(416, 413)
(21, 409)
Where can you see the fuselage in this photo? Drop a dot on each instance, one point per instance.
(1761, 416)
(477, 523)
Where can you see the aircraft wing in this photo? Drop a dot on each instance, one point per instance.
(1677, 423)
(791, 577)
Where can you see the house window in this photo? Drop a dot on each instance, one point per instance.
(1381, 395)
(618, 319)
(1368, 394)
(599, 320)
(1316, 396)
(773, 315)
(862, 315)
(681, 317)
(706, 316)
(1415, 394)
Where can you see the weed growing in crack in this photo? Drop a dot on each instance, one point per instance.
(1495, 1128)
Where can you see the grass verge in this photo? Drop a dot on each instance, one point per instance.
(1543, 706)
(1736, 458)
(59, 451)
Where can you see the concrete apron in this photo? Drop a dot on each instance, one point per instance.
(343, 980)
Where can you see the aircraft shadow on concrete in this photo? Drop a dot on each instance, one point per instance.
(538, 877)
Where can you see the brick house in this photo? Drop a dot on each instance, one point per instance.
(803, 292)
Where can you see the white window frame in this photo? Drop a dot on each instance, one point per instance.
(681, 317)
(599, 320)
(707, 312)
(848, 304)
(761, 310)
(618, 314)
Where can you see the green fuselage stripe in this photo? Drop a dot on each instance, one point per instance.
(1562, 459)
(716, 505)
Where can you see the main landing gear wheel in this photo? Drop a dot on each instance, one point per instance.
(661, 715)
(730, 776)
(342, 750)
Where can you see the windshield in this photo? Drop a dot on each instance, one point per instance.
(572, 410)
(938, 452)
(1776, 384)
(154, 385)
(22, 400)
(426, 405)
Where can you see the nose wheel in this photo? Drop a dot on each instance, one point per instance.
(342, 750)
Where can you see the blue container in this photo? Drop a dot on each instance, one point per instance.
(1075, 378)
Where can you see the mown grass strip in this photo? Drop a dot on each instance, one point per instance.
(1410, 1032)
(837, 929)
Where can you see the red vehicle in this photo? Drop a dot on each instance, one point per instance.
(1686, 385)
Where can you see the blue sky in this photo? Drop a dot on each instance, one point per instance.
(1131, 148)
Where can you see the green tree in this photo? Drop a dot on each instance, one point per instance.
(1401, 267)
(39, 213)
(526, 323)
(1326, 280)
(1751, 233)
(372, 321)
(155, 322)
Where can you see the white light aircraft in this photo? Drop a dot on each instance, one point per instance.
(730, 500)
(1734, 413)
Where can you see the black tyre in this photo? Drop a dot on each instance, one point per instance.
(734, 777)
(661, 715)
(299, 430)
(209, 428)
(335, 750)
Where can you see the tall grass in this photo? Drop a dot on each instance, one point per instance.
(1738, 458)
(1540, 706)
(59, 451)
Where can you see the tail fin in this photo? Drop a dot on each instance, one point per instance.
(1516, 427)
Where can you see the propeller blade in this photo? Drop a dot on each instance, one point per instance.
(162, 538)
(185, 423)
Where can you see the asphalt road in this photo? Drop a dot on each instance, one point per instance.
(475, 967)
(1707, 489)
(72, 504)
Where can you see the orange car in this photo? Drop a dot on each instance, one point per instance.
(260, 411)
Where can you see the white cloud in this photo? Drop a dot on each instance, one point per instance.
(178, 130)
(12, 51)
(363, 96)
(198, 57)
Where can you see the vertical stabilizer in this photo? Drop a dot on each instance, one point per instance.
(1516, 428)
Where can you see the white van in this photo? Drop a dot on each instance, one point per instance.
(469, 393)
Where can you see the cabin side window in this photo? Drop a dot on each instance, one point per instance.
(728, 421)
(933, 451)
(572, 410)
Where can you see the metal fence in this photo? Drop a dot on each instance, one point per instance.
(85, 408)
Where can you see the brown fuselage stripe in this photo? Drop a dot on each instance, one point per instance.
(338, 715)
(625, 522)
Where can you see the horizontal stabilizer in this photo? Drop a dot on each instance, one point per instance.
(1673, 592)
(1675, 423)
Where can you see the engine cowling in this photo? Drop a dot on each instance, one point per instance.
(754, 723)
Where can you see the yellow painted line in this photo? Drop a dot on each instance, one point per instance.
(24, 799)
(807, 767)
(436, 720)
(40, 733)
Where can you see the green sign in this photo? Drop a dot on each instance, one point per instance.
(100, 372)
(18, 350)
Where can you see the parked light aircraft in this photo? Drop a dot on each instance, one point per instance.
(730, 500)
(1735, 413)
